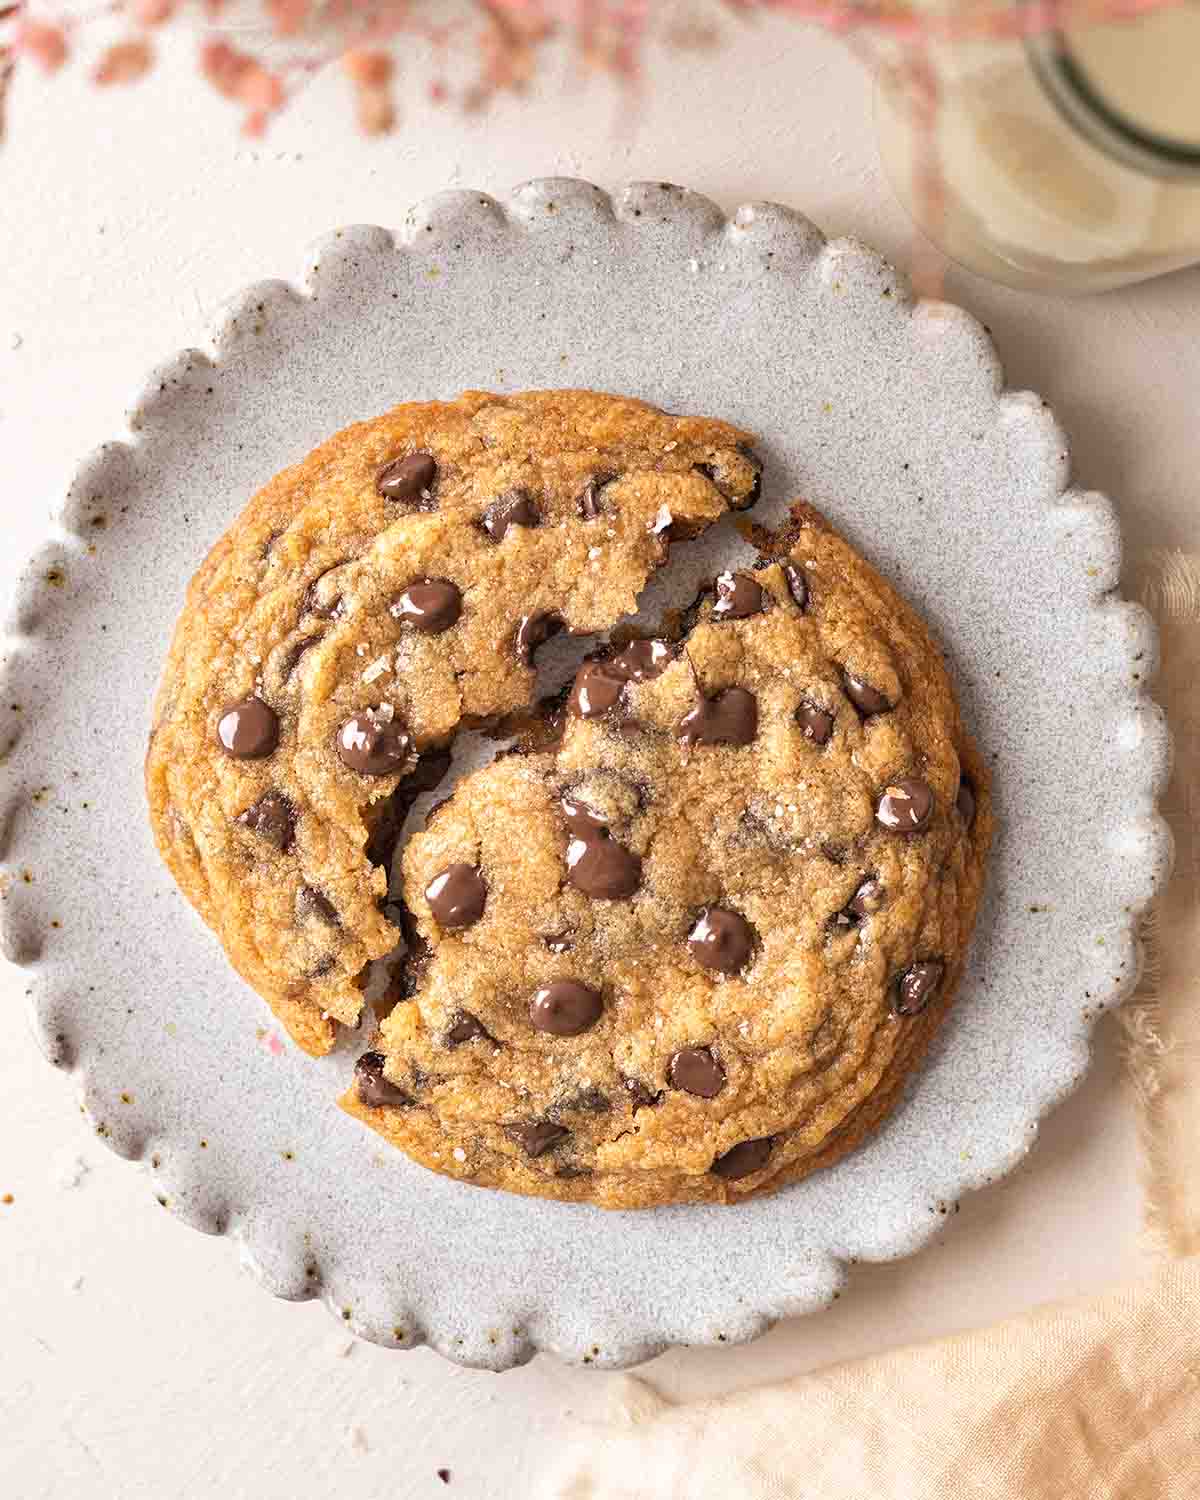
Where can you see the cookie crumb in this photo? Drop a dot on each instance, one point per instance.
(7, 1199)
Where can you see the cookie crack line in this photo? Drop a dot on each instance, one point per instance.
(683, 939)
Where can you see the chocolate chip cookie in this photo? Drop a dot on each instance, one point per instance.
(689, 941)
(387, 590)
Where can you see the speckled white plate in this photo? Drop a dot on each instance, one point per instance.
(891, 417)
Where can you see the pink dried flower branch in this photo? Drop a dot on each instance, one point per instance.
(607, 34)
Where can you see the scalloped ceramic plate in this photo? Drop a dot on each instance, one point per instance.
(888, 415)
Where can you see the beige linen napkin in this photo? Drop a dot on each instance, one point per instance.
(1097, 1399)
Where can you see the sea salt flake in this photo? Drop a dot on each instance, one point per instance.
(377, 668)
(459, 1154)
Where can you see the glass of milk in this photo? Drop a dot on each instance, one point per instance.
(1067, 160)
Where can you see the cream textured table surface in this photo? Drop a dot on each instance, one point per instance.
(138, 1361)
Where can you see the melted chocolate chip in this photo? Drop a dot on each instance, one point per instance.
(696, 1071)
(597, 864)
(464, 1028)
(248, 730)
(731, 718)
(409, 480)
(906, 806)
(639, 661)
(867, 699)
(512, 509)
(581, 820)
(743, 1159)
(373, 748)
(917, 986)
(565, 1008)
(589, 501)
(866, 901)
(797, 582)
(314, 604)
(599, 684)
(374, 1090)
(640, 1096)
(602, 868)
(311, 903)
(721, 940)
(273, 819)
(292, 658)
(457, 896)
(965, 802)
(756, 484)
(430, 606)
(534, 631)
(737, 597)
(535, 1137)
(596, 690)
(815, 723)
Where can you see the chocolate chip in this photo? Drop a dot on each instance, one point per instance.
(755, 491)
(640, 1096)
(597, 864)
(906, 806)
(866, 901)
(797, 582)
(535, 1137)
(916, 987)
(815, 723)
(696, 1071)
(598, 684)
(464, 1028)
(731, 718)
(533, 631)
(737, 597)
(589, 502)
(430, 606)
(565, 1008)
(457, 896)
(248, 730)
(602, 868)
(721, 940)
(322, 602)
(743, 1159)
(965, 802)
(408, 479)
(372, 746)
(559, 942)
(639, 661)
(273, 818)
(581, 820)
(867, 699)
(374, 1090)
(311, 903)
(292, 658)
(515, 508)
(596, 690)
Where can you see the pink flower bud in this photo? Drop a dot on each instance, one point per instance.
(124, 62)
(45, 44)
